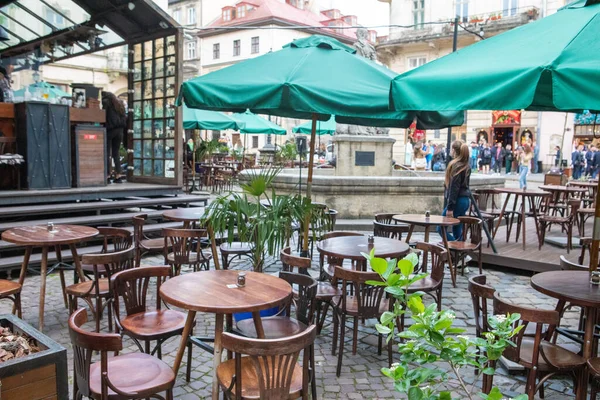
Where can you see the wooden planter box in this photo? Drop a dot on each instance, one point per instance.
(38, 376)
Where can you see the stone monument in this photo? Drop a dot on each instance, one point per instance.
(363, 150)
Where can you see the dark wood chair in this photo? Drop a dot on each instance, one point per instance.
(566, 223)
(365, 302)
(486, 202)
(481, 293)
(593, 365)
(541, 358)
(470, 242)
(99, 288)
(391, 231)
(236, 250)
(143, 244)
(127, 376)
(325, 290)
(326, 220)
(113, 240)
(12, 290)
(186, 246)
(141, 322)
(266, 368)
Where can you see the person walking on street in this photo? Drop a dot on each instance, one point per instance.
(419, 157)
(589, 161)
(456, 188)
(508, 158)
(525, 157)
(578, 161)
(438, 162)
(557, 157)
(474, 150)
(498, 155)
(536, 157)
(116, 121)
(428, 149)
(486, 158)
(596, 161)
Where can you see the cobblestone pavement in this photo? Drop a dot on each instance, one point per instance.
(361, 377)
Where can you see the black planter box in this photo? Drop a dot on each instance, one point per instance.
(37, 376)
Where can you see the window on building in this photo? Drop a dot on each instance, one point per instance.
(418, 13)
(462, 10)
(414, 62)
(227, 14)
(509, 7)
(436, 134)
(255, 142)
(191, 50)
(237, 47)
(241, 11)
(296, 3)
(55, 18)
(216, 51)
(255, 49)
(177, 15)
(191, 20)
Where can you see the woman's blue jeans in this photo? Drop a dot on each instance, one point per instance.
(523, 176)
(460, 210)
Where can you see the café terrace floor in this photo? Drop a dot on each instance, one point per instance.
(360, 378)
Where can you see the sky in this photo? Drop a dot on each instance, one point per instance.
(369, 12)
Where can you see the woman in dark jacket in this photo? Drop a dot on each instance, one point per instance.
(116, 121)
(456, 187)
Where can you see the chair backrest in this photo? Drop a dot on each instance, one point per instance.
(138, 227)
(486, 199)
(274, 361)
(183, 243)
(385, 218)
(290, 261)
(368, 297)
(472, 229)
(304, 303)
(132, 286)
(573, 205)
(387, 230)
(438, 256)
(567, 265)
(481, 292)
(115, 239)
(535, 316)
(85, 343)
(112, 262)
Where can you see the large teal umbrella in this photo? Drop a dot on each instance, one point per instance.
(323, 127)
(256, 124)
(210, 120)
(53, 91)
(553, 64)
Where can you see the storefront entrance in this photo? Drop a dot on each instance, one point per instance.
(504, 135)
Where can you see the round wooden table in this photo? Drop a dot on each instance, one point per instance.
(39, 236)
(428, 222)
(575, 288)
(216, 292)
(527, 196)
(186, 215)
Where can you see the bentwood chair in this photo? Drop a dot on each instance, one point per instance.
(365, 302)
(113, 240)
(112, 377)
(186, 246)
(566, 223)
(99, 288)
(142, 322)
(267, 368)
(143, 244)
(12, 290)
(325, 290)
(470, 241)
(537, 354)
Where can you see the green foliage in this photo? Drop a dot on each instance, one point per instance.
(287, 152)
(237, 154)
(432, 340)
(206, 149)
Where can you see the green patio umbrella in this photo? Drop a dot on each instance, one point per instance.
(53, 91)
(310, 78)
(256, 124)
(323, 127)
(554, 65)
(548, 65)
(210, 120)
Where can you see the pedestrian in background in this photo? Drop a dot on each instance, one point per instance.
(589, 161)
(525, 158)
(498, 155)
(536, 157)
(456, 187)
(438, 161)
(474, 150)
(557, 156)
(508, 158)
(486, 158)
(419, 157)
(578, 161)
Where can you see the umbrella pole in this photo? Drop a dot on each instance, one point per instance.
(309, 183)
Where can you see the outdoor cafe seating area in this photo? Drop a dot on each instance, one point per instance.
(158, 301)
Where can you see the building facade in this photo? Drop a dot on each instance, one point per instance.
(422, 31)
(225, 32)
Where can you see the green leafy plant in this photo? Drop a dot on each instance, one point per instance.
(237, 153)
(206, 149)
(287, 153)
(432, 340)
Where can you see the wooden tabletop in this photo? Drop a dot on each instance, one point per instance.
(583, 184)
(351, 247)
(420, 219)
(522, 192)
(39, 235)
(557, 188)
(184, 214)
(572, 286)
(207, 291)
